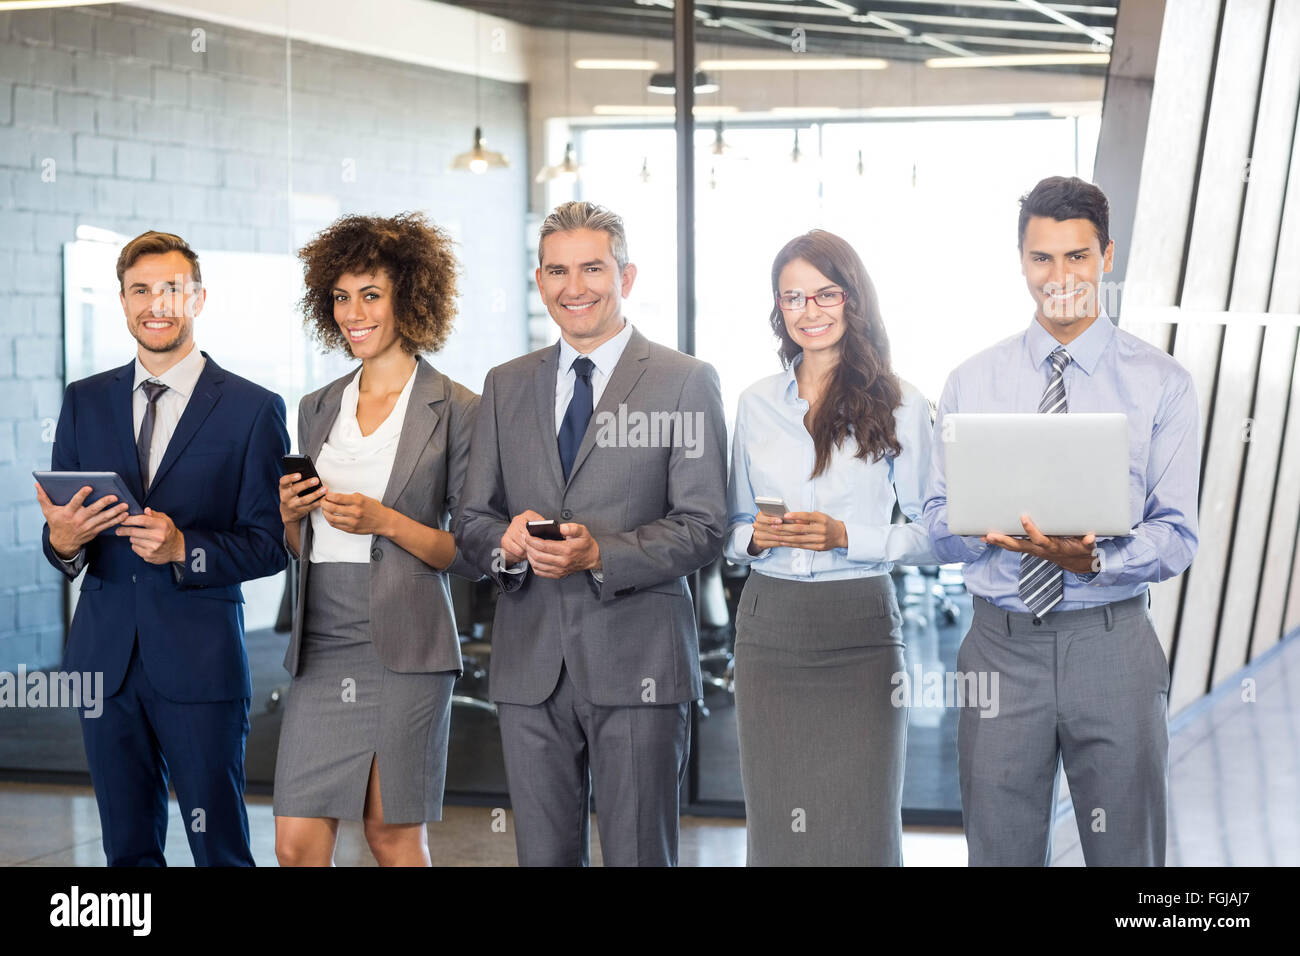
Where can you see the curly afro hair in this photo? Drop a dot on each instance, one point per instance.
(416, 254)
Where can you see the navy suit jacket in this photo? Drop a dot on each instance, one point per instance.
(217, 482)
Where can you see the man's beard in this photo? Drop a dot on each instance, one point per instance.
(169, 346)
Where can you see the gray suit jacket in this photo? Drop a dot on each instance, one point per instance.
(412, 623)
(656, 507)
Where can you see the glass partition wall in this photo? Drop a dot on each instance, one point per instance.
(246, 141)
(824, 117)
(717, 130)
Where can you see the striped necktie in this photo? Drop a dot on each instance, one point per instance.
(1042, 583)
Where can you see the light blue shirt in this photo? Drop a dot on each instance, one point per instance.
(1111, 371)
(772, 454)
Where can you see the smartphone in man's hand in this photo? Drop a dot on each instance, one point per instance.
(547, 529)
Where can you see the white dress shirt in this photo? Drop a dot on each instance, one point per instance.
(604, 357)
(351, 462)
(180, 380)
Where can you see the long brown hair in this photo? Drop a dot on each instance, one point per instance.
(863, 391)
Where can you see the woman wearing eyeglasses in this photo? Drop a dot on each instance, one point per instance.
(838, 439)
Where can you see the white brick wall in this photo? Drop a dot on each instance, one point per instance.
(145, 133)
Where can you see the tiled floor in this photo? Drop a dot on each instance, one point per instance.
(1234, 772)
(45, 825)
(49, 739)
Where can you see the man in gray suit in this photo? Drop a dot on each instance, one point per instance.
(595, 657)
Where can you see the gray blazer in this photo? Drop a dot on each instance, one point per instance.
(657, 513)
(412, 623)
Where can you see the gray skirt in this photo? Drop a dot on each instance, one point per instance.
(822, 745)
(346, 708)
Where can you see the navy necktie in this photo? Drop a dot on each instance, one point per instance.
(577, 414)
(151, 392)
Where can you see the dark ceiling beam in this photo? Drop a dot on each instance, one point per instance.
(1063, 46)
(875, 13)
(899, 29)
(1068, 21)
(858, 14)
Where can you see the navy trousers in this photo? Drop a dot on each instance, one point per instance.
(139, 741)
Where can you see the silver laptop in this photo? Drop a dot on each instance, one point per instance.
(1069, 472)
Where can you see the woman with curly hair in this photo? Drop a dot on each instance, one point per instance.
(837, 439)
(374, 651)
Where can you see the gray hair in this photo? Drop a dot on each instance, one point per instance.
(572, 216)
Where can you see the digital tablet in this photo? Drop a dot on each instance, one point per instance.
(60, 486)
(1068, 472)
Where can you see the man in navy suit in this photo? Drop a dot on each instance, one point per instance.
(160, 612)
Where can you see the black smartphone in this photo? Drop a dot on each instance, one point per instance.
(547, 529)
(301, 464)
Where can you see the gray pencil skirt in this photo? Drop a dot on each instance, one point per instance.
(822, 745)
(346, 708)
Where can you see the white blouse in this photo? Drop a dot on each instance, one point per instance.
(352, 462)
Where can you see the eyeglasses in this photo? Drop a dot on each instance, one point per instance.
(794, 301)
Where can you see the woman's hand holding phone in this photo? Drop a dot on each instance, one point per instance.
(297, 500)
(810, 530)
(358, 514)
(765, 533)
(813, 531)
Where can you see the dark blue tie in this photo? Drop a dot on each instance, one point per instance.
(576, 415)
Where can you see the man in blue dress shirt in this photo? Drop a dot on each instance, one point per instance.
(1064, 621)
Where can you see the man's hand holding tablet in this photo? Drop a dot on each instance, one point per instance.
(1069, 552)
(76, 523)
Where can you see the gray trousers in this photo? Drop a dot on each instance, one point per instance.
(1085, 688)
(556, 752)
